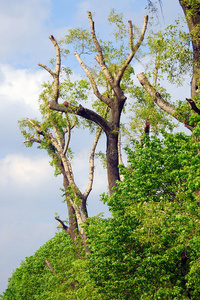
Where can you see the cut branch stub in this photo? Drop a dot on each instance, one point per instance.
(193, 106)
(134, 49)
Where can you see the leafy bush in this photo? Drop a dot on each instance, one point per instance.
(150, 249)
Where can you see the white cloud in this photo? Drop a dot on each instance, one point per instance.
(21, 85)
(18, 169)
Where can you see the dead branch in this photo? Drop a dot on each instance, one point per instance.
(64, 227)
(134, 49)
(120, 155)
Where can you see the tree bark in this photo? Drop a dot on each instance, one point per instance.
(112, 160)
(73, 224)
(191, 10)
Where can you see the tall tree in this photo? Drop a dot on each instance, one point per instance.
(113, 97)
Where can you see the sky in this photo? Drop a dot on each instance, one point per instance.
(29, 193)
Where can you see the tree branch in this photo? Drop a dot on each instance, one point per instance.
(49, 265)
(56, 73)
(193, 106)
(82, 112)
(64, 227)
(92, 81)
(99, 57)
(156, 97)
(134, 49)
(68, 136)
(120, 155)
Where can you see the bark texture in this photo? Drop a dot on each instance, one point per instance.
(191, 10)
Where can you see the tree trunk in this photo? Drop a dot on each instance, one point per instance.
(112, 160)
(73, 224)
(192, 14)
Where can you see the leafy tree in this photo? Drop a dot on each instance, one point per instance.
(53, 134)
(149, 249)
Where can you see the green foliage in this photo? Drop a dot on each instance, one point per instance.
(171, 48)
(34, 280)
(81, 40)
(144, 109)
(149, 249)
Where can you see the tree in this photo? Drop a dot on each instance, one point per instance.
(54, 134)
(149, 249)
(191, 10)
(113, 98)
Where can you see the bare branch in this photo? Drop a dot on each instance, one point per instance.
(32, 140)
(91, 160)
(58, 59)
(47, 69)
(56, 73)
(92, 81)
(68, 136)
(156, 97)
(64, 227)
(134, 49)
(119, 149)
(99, 57)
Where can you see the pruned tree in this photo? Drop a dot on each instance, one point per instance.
(54, 135)
(113, 98)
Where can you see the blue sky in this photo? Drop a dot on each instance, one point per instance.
(29, 192)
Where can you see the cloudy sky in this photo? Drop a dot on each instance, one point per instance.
(29, 192)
